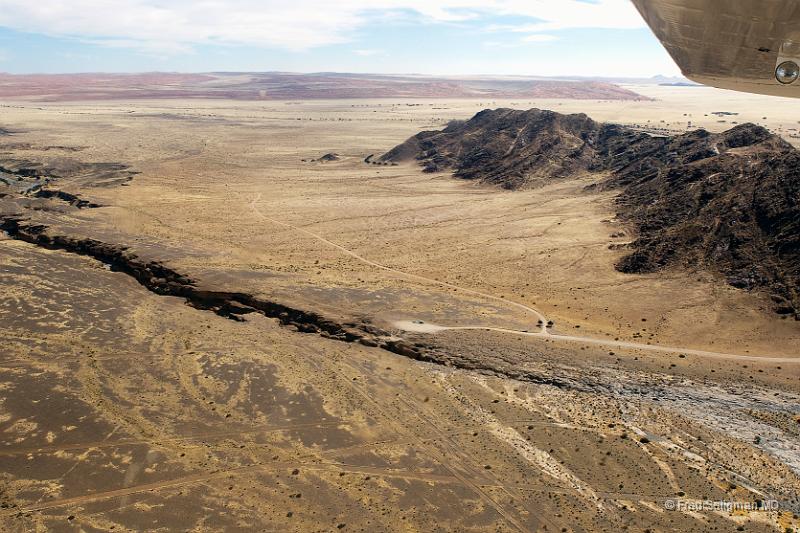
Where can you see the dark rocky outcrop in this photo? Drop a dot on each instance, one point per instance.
(327, 158)
(71, 199)
(509, 148)
(160, 279)
(19, 177)
(726, 202)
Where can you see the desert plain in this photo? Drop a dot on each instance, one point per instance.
(468, 358)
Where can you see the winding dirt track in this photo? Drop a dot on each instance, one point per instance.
(433, 328)
(542, 332)
(416, 277)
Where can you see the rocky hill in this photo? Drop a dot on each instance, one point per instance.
(512, 149)
(727, 202)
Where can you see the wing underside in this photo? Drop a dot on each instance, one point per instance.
(731, 44)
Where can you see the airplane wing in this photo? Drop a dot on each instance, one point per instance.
(744, 45)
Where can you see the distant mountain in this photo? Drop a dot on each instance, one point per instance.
(289, 86)
(728, 202)
(671, 80)
(653, 80)
(681, 84)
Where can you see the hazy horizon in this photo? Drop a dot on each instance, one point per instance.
(466, 76)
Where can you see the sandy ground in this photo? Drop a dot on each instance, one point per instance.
(121, 406)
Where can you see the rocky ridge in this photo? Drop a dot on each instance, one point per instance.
(727, 202)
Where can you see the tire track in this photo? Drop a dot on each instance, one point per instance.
(433, 328)
(415, 277)
(465, 477)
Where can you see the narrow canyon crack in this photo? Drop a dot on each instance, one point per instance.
(162, 280)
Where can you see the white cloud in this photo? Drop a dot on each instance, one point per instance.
(518, 43)
(568, 14)
(173, 26)
(368, 53)
(539, 38)
(159, 48)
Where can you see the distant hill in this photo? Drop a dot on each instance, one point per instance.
(681, 84)
(727, 202)
(288, 86)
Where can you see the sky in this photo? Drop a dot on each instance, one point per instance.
(434, 37)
